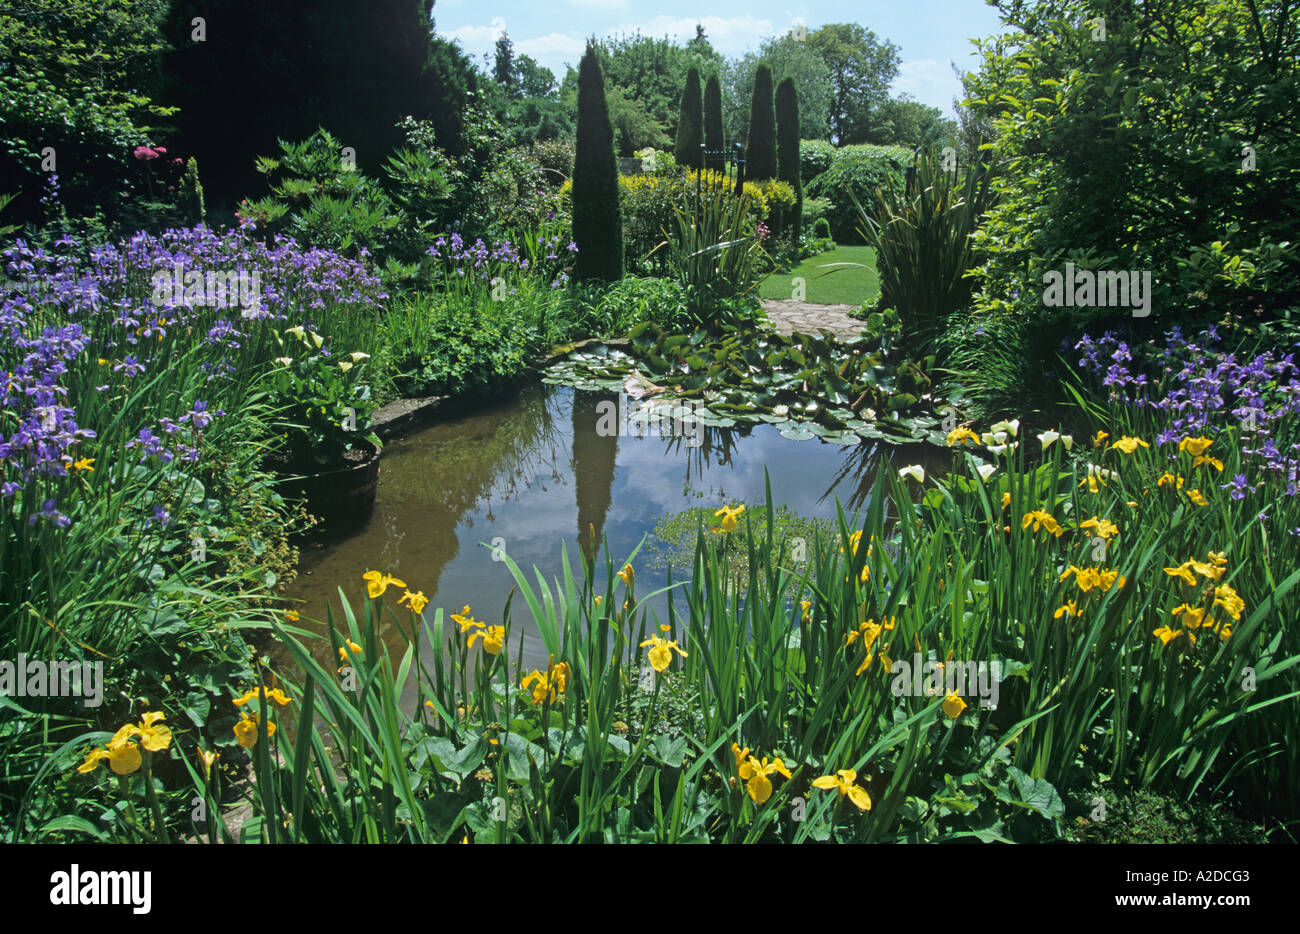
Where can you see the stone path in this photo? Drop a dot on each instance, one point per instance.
(789, 316)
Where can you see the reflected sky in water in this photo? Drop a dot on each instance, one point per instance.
(531, 469)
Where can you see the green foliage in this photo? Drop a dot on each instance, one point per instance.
(1141, 816)
(324, 398)
(716, 255)
(714, 140)
(787, 57)
(815, 157)
(319, 198)
(760, 148)
(81, 78)
(862, 68)
(597, 226)
(923, 242)
(643, 79)
(807, 386)
(690, 128)
(858, 170)
(633, 300)
(355, 69)
(901, 121)
(787, 154)
(1129, 154)
(455, 343)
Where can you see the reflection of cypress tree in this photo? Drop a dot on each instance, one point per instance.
(594, 458)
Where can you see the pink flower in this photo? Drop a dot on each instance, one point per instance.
(144, 152)
(161, 150)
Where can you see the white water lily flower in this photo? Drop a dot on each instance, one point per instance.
(915, 471)
(1012, 427)
(358, 355)
(345, 365)
(985, 471)
(1048, 438)
(998, 437)
(317, 339)
(780, 410)
(284, 361)
(1003, 448)
(297, 332)
(1068, 441)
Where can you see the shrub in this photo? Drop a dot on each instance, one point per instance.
(633, 300)
(860, 170)
(555, 156)
(814, 216)
(815, 157)
(923, 243)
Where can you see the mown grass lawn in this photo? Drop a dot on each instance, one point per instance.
(843, 285)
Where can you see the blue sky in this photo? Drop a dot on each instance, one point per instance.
(932, 34)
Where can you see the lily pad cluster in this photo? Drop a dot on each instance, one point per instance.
(843, 391)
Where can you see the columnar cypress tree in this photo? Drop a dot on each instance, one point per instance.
(690, 130)
(760, 157)
(597, 224)
(713, 138)
(787, 151)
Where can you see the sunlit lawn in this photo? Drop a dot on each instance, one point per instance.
(842, 285)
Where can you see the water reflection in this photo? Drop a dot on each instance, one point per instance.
(525, 474)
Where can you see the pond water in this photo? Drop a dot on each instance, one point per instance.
(527, 472)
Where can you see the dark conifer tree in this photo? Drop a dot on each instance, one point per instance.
(760, 156)
(713, 136)
(597, 224)
(787, 151)
(690, 129)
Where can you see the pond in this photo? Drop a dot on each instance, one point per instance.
(524, 473)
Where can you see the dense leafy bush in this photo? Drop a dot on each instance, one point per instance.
(633, 300)
(815, 157)
(1169, 148)
(858, 170)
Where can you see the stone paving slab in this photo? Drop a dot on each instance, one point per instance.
(789, 316)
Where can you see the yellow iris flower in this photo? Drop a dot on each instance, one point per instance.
(1102, 528)
(730, 516)
(246, 730)
(1195, 446)
(661, 652)
(377, 583)
(416, 601)
(843, 781)
(274, 694)
(1128, 445)
(960, 436)
(755, 775)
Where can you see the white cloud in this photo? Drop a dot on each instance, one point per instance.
(732, 35)
(930, 81)
(602, 4)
